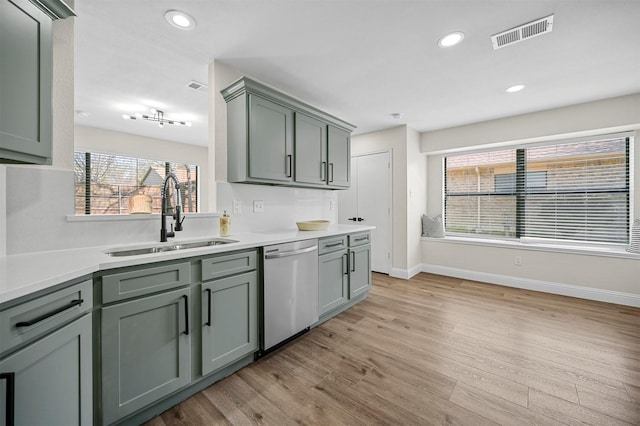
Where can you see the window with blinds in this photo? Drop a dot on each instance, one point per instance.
(104, 183)
(571, 191)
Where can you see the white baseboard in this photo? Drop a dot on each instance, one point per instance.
(406, 274)
(589, 293)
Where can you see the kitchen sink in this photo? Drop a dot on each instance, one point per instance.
(162, 248)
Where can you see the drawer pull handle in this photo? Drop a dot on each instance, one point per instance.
(360, 238)
(345, 264)
(43, 317)
(186, 314)
(208, 323)
(353, 261)
(9, 418)
(339, 243)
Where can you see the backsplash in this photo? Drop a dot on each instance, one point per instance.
(283, 206)
(39, 203)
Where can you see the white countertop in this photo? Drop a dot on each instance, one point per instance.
(24, 274)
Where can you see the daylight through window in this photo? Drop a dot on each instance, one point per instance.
(572, 191)
(104, 183)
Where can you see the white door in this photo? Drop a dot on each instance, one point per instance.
(368, 202)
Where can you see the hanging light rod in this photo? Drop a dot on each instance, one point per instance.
(157, 117)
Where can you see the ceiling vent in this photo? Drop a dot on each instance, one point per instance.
(522, 33)
(195, 85)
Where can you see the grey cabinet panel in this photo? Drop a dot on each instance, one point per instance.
(53, 378)
(311, 150)
(333, 274)
(229, 316)
(229, 264)
(359, 270)
(327, 245)
(145, 352)
(32, 319)
(270, 140)
(125, 285)
(339, 154)
(264, 143)
(25, 83)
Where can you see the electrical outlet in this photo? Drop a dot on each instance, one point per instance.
(332, 205)
(237, 206)
(258, 206)
(517, 261)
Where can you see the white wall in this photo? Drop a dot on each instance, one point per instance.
(416, 199)
(582, 275)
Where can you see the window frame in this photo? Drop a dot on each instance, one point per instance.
(523, 190)
(87, 182)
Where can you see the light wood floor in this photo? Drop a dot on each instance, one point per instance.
(439, 350)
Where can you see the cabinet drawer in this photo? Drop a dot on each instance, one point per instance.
(31, 319)
(230, 264)
(126, 285)
(331, 244)
(359, 239)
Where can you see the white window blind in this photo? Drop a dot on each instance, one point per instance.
(105, 182)
(576, 191)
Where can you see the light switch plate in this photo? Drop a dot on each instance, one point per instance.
(237, 206)
(258, 206)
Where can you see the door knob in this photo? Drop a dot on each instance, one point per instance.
(360, 219)
(353, 218)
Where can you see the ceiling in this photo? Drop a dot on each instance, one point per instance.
(360, 60)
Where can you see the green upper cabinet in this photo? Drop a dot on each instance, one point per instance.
(275, 139)
(270, 141)
(26, 71)
(339, 154)
(311, 150)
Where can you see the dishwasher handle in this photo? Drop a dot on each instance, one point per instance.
(290, 253)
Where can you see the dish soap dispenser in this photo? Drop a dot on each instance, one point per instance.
(225, 225)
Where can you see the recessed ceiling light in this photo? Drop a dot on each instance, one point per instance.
(451, 39)
(516, 88)
(180, 20)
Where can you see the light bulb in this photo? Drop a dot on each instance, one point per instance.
(126, 116)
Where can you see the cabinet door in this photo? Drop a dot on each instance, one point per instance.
(359, 270)
(230, 320)
(270, 140)
(52, 379)
(311, 150)
(339, 152)
(145, 352)
(333, 277)
(25, 83)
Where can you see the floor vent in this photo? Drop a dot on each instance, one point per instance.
(522, 33)
(195, 85)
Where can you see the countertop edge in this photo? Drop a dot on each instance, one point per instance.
(25, 274)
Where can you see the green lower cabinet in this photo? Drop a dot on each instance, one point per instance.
(145, 352)
(229, 320)
(359, 270)
(333, 274)
(52, 379)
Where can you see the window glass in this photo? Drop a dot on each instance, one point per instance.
(104, 183)
(576, 191)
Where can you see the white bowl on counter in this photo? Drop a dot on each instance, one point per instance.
(313, 225)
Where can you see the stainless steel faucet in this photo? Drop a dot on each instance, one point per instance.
(164, 234)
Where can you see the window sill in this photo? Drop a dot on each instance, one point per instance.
(618, 252)
(128, 217)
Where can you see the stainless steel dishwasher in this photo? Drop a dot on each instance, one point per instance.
(290, 290)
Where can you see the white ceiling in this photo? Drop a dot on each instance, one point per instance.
(360, 60)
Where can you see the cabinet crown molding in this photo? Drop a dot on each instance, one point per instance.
(55, 9)
(247, 85)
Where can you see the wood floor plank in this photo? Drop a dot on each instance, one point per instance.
(441, 350)
(568, 412)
